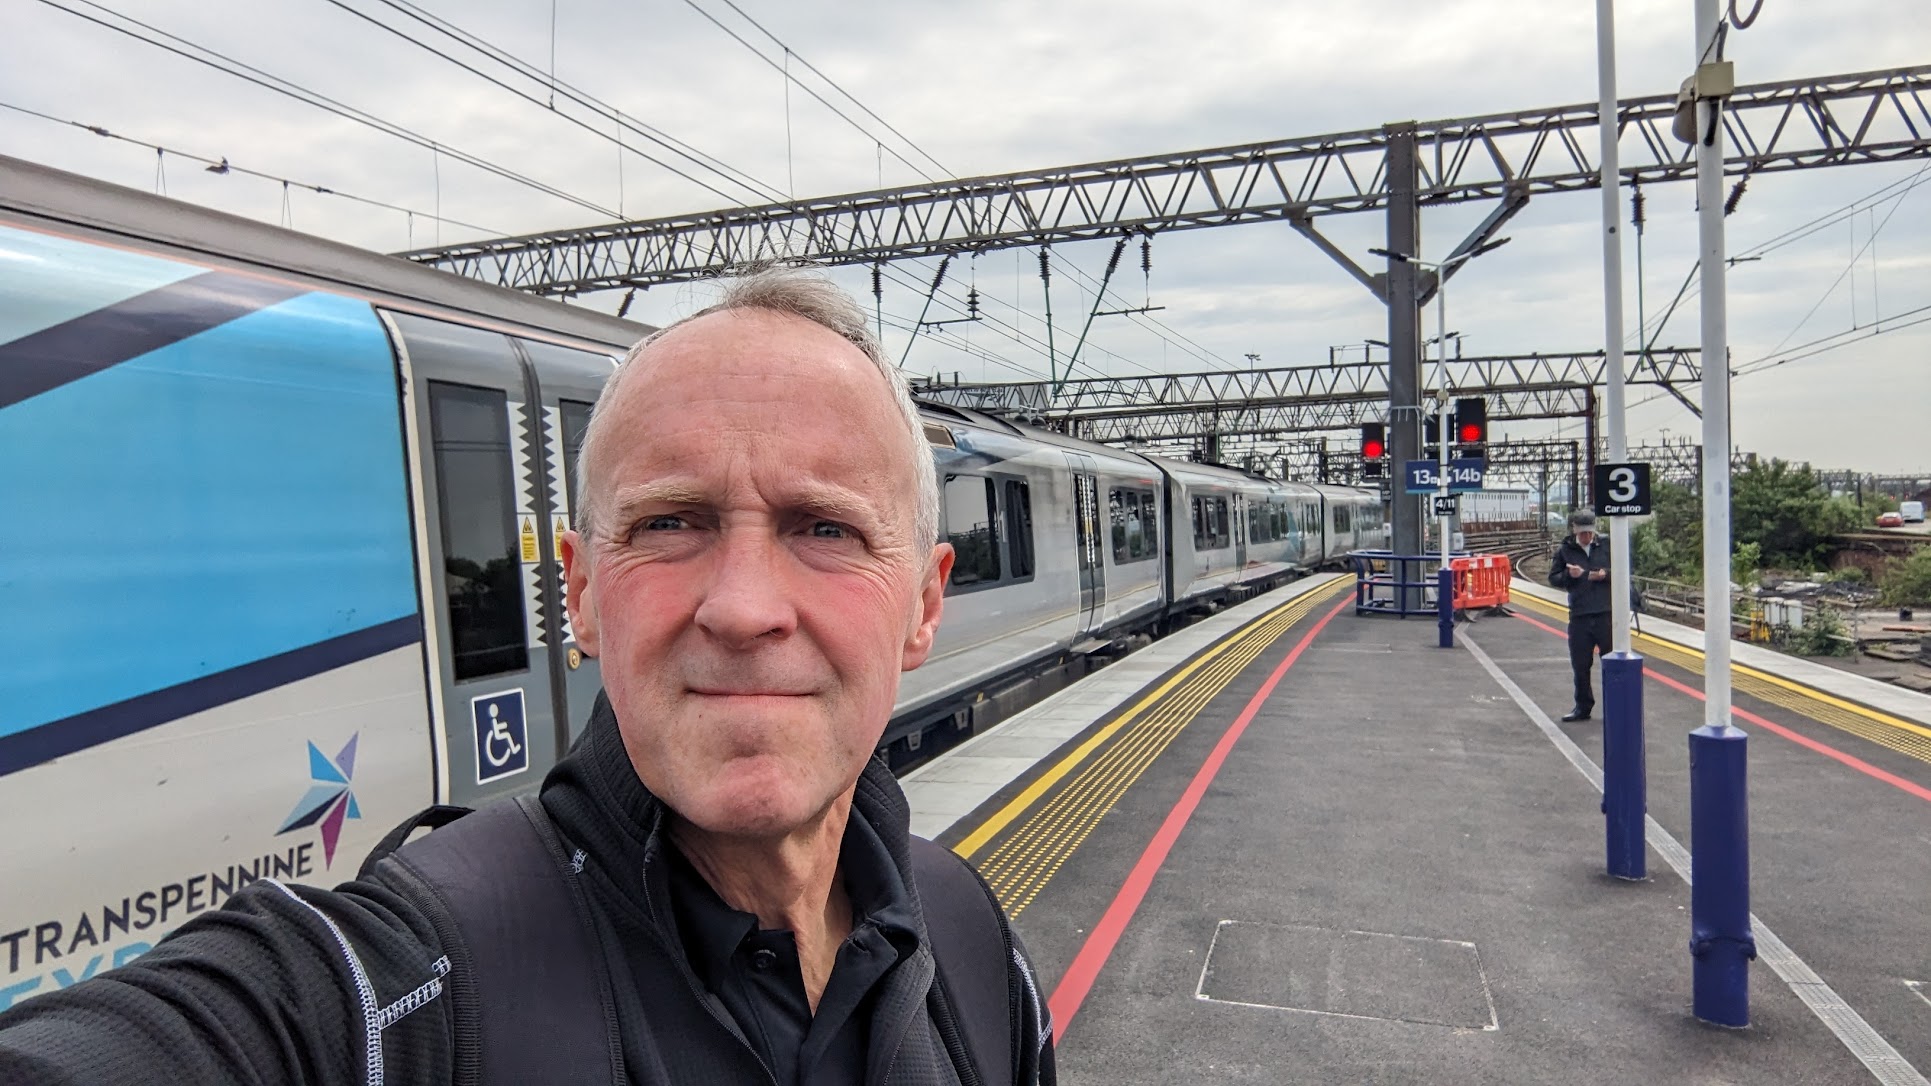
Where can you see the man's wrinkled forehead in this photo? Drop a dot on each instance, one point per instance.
(744, 362)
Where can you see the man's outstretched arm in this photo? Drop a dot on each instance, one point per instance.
(281, 985)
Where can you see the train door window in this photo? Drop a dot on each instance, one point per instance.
(1150, 522)
(1200, 524)
(1136, 532)
(576, 423)
(1221, 527)
(1019, 521)
(970, 527)
(470, 436)
(1083, 526)
(1342, 522)
(1116, 502)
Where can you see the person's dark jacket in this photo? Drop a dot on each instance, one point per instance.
(265, 990)
(1586, 597)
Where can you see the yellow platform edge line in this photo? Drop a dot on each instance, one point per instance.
(1791, 685)
(1002, 818)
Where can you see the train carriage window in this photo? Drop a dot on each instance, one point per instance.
(576, 423)
(1136, 525)
(1200, 524)
(971, 529)
(470, 437)
(1019, 518)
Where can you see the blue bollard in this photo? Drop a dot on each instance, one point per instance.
(1721, 943)
(1625, 793)
(1445, 605)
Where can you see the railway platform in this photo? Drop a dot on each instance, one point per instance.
(1290, 844)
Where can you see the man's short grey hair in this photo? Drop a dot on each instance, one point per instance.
(796, 292)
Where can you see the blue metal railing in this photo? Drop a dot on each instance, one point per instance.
(1386, 583)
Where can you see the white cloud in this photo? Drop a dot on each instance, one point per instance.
(1004, 85)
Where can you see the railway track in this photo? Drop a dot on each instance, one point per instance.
(1526, 548)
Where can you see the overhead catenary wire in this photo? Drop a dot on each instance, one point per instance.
(759, 53)
(1855, 257)
(1789, 237)
(534, 100)
(222, 165)
(793, 53)
(636, 126)
(248, 73)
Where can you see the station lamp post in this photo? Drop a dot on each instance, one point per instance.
(1444, 432)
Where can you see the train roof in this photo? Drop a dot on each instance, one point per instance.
(1032, 433)
(100, 209)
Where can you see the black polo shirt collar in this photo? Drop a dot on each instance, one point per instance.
(756, 975)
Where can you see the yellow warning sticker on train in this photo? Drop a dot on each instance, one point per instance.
(529, 539)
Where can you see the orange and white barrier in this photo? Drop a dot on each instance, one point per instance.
(1481, 581)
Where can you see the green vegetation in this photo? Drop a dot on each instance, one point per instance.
(1823, 634)
(1745, 565)
(1908, 583)
(1784, 512)
(1670, 543)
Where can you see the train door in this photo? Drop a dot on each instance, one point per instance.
(1240, 531)
(568, 382)
(1086, 537)
(483, 545)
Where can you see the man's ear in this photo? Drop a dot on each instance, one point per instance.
(931, 604)
(579, 596)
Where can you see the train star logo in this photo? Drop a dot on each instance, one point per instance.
(330, 799)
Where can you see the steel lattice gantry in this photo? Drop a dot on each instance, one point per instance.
(1865, 117)
(1226, 393)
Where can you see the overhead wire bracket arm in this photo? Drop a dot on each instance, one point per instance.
(1377, 284)
(1515, 196)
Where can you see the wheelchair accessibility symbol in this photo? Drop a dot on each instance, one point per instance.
(502, 738)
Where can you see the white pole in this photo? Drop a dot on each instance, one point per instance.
(1612, 315)
(1442, 421)
(1716, 388)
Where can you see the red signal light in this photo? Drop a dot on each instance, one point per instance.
(1470, 432)
(1374, 441)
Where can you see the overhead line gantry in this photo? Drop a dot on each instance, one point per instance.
(1397, 168)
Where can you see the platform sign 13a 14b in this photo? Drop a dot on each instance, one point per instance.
(1622, 490)
(1464, 473)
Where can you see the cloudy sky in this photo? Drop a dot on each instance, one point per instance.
(1003, 85)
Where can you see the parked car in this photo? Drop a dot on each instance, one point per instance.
(1912, 512)
(1890, 520)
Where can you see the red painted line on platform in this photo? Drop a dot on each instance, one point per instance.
(1078, 980)
(1800, 739)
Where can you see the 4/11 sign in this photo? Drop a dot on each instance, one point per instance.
(1423, 476)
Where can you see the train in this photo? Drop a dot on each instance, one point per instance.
(285, 567)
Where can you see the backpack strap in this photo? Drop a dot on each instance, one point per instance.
(527, 963)
(433, 818)
(973, 947)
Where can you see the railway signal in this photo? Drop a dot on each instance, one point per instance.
(1471, 427)
(1374, 450)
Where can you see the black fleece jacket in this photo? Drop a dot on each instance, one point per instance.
(1586, 597)
(274, 986)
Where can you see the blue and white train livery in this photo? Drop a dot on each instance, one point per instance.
(283, 566)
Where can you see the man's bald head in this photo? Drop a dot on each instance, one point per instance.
(794, 293)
